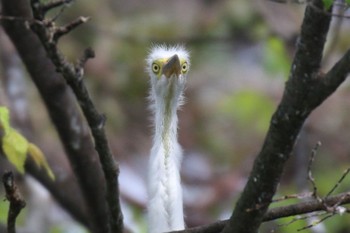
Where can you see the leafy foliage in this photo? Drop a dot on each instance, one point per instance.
(16, 147)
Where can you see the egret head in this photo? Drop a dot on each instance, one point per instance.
(168, 62)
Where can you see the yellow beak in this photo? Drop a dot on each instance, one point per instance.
(172, 66)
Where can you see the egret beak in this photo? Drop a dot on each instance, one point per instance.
(172, 66)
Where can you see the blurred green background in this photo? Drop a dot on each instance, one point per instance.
(241, 53)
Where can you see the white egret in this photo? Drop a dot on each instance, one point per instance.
(167, 68)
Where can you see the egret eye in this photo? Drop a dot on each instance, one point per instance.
(155, 68)
(184, 67)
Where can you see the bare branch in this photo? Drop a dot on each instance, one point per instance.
(16, 201)
(61, 31)
(307, 206)
(304, 207)
(285, 125)
(88, 54)
(40, 9)
(309, 176)
(53, 4)
(329, 82)
(79, 67)
(96, 121)
(301, 217)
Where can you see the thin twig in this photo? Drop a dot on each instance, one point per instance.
(61, 31)
(339, 209)
(89, 53)
(53, 4)
(58, 14)
(16, 201)
(311, 161)
(292, 196)
(316, 222)
(300, 217)
(346, 172)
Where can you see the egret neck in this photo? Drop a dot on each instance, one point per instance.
(167, 67)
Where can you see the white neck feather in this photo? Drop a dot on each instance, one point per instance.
(165, 207)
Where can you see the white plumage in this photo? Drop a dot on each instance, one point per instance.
(167, 68)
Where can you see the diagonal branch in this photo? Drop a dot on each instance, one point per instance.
(73, 76)
(61, 31)
(332, 80)
(294, 108)
(61, 106)
(307, 206)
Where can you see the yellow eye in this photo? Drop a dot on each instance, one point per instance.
(184, 67)
(155, 68)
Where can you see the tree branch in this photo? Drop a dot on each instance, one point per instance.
(61, 106)
(61, 31)
(295, 106)
(331, 81)
(16, 201)
(281, 212)
(49, 35)
(65, 181)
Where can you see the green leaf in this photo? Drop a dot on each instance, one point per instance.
(347, 2)
(15, 147)
(37, 155)
(4, 119)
